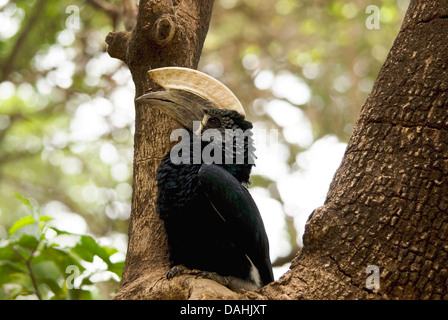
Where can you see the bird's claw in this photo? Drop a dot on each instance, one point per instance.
(213, 276)
(175, 271)
(179, 269)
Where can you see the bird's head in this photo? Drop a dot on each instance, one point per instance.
(191, 95)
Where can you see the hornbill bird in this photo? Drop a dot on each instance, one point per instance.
(212, 223)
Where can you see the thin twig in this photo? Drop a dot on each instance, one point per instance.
(30, 270)
(280, 261)
(33, 279)
(292, 232)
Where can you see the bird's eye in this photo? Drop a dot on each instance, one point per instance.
(213, 123)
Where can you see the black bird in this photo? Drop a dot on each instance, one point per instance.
(212, 223)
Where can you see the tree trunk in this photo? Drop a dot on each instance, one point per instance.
(387, 207)
(167, 33)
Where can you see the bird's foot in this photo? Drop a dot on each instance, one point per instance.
(181, 269)
(175, 271)
(213, 276)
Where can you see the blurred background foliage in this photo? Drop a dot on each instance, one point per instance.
(66, 108)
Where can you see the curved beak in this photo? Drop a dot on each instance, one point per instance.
(182, 106)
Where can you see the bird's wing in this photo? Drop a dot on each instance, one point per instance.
(239, 212)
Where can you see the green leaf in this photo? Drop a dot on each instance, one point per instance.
(59, 232)
(21, 223)
(21, 279)
(83, 252)
(8, 253)
(46, 270)
(7, 270)
(42, 220)
(28, 241)
(25, 221)
(24, 200)
(116, 268)
(88, 248)
(61, 258)
(110, 251)
(53, 285)
(79, 294)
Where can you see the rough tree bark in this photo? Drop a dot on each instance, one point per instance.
(387, 205)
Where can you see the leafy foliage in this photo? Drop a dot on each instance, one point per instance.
(41, 261)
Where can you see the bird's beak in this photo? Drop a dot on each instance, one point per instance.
(187, 93)
(182, 106)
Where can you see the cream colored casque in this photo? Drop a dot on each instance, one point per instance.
(195, 82)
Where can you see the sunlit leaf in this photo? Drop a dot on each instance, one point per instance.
(27, 221)
(21, 223)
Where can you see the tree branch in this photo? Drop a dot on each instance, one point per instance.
(118, 44)
(167, 33)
